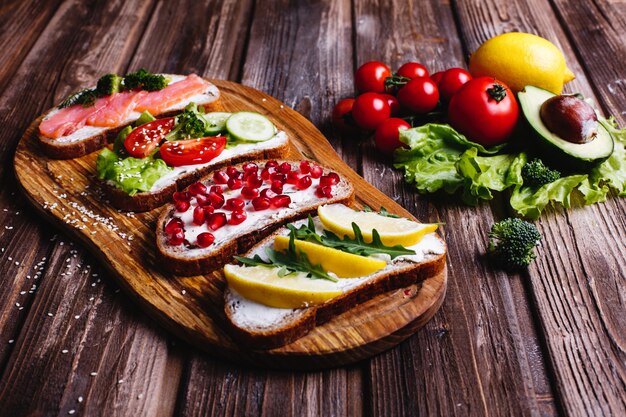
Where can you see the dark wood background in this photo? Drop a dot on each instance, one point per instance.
(550, 341)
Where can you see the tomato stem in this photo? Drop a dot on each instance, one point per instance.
(395, 81)
(497, 92)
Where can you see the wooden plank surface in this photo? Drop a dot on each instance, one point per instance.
(565, 342)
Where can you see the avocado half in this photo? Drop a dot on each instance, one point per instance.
(560, 151)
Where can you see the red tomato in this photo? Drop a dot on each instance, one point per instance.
(192, 151)
(484, 110)
(342, 116)
(451, 81)
(371, 77)
(394, 106)
(370, 110)
(144, 139)
(436, 77)
(387, 135)
(412, 70)
(420, 95)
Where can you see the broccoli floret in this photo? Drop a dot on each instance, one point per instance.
(511, 243)
(144, 80)
(109, 84)
(189, 124)
(536, 174)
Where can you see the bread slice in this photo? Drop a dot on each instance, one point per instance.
(90, 138)
(262, 327)
(230, 240)
(181, 177)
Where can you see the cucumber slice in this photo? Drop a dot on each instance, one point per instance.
(216, 122)
(250, 127)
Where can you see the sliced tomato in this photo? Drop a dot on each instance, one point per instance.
(192, 151)
(142, 141)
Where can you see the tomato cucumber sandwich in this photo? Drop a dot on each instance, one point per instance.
(231, 209)
(156, 157)
(317, 268)
(85, 121)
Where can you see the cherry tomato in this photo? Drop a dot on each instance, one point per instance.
(370, 110)
(394, 106)
(451, 81)
(387, 135)
(484, 110)
(371, 77)
(436, 77)
(412, 70)
(420, 95)
(144, 139)
(342, 116)
(192, 151)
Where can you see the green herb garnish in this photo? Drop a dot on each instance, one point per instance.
(288, 262)
(383, 212)
(85, 98)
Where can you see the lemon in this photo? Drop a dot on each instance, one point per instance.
(263, 285)
(393, 231)
(521, 59)
(342, 264)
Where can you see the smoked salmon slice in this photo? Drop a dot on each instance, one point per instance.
(69, 119)
(158, 101)
(117, 110)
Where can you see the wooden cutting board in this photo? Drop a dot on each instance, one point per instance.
(191, 307)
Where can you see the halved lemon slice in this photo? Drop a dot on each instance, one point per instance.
(342, 264)
(263, 285)
(338, 218)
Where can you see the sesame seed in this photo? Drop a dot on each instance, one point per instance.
(120, 381)
(50, 314)
(93, 374)
(76, 317)
(80, 399)
(64, 351)
(71, 412)
(11, 341)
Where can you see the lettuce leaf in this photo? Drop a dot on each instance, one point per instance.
(529, 202)
(131, 175)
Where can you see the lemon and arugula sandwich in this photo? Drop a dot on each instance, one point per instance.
(314, 269)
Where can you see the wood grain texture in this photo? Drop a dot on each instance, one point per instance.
(484, 333)
(579, 322)
(191, 306)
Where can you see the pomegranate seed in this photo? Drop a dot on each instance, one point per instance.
(219, 177)
(174, 224)
(254, 181)
(305, 167)
(316, 171)
(234, 183)
(232, 172)
(268, 193)
(197, 188)
(324, 191)
(330, 179)
(335, 177)
(208, 210)
(281, 201)
(177, 238)
(277, 187)
(250, 167)
(304, 182)
(202, 199)
(261, 203)
(271, 164)
(237, 217)
(249, 192)
(293, 177)
(216, 220)
(216, 189)
(266, 173)
(234, 204)
(205, 239)
(217, 200)
(278, 177)
(181, 196)
(198, 215)
(182, 206)
(284, 168)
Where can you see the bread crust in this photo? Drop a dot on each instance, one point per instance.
(55, 150)
(203, 264)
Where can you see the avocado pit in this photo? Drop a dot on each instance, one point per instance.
(570, 118)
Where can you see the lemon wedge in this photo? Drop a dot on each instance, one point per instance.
(342, 264)
(338, 218)
(263, 285)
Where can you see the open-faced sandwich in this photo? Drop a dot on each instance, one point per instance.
(232, 209)
(314, 269)
(86, 120)
(149, 162)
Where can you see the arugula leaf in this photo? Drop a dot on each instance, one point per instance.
(356, 246)
(383, 212)
(288, 262)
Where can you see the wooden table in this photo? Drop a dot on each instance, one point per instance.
(550, 341)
